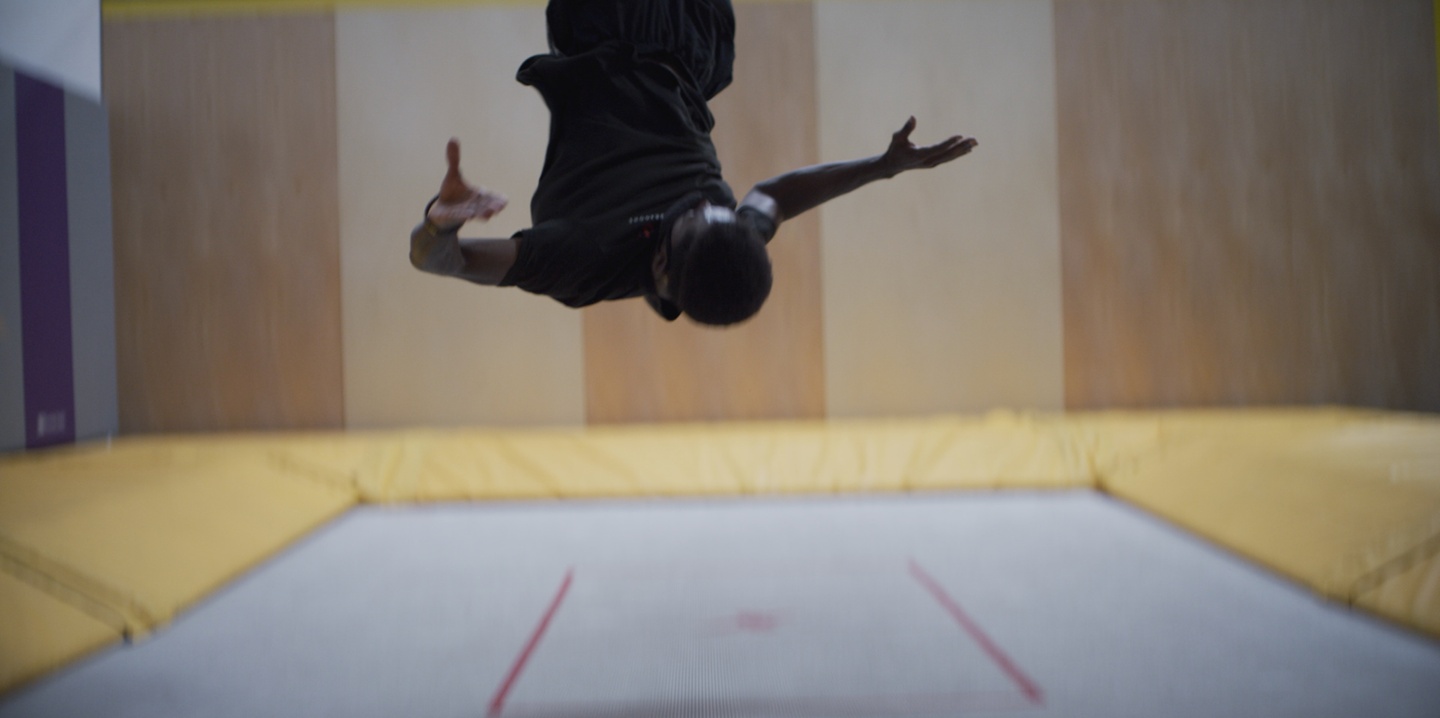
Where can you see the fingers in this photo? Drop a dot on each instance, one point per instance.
(479, 204)
(940, 153)
(955, 153)
(947, 145)
(459, 202)
(957, 141)
(903, 134)
(452, 187)
(950, 149)
(452, 154)
(487, 204)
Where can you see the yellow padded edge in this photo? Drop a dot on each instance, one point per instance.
(1341, 501)
(1411, 596)
(1000, 451)
(142, 529)
(39, 633)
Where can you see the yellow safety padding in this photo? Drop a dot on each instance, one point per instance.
(142, 529)
(1411, 596)
(999, 451)
(1339, 500)
(39, 632)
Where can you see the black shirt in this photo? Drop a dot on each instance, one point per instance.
(629, 151)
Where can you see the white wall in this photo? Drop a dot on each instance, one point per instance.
(54, 40)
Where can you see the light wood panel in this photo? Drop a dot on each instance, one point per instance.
(422, 349)
(1250, 197)
(942, 286)
(639, 367)
(226, 246)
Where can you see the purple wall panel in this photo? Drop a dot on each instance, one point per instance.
(44, 262)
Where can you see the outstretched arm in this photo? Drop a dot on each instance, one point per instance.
(435, 245)
(793, 193)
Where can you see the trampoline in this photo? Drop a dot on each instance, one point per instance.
(979, 604)
(1178, 564)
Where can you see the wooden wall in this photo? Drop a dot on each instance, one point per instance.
(223, 174)
(420, 349)
(640, 369)
(942, 286)
(1250, 203)
(1210, 202)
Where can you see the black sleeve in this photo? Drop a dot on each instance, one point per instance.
(546, 258)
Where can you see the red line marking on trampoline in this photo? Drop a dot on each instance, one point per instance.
(1027, 686)
(497, 703)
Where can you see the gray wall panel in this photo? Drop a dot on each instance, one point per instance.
(55, 40)
(12, 369)
(92, 267)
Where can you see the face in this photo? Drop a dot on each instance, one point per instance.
(687, 226)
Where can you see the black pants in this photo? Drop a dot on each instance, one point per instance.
(693, 36)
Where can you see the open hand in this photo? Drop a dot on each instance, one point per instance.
(460, 202)
(904, 155)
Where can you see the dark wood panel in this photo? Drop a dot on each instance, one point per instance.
(640, 368)
(226, 222)
(1250, 202)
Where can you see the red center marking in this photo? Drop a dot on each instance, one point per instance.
(756, 621)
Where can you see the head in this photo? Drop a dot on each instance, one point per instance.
(713, 267)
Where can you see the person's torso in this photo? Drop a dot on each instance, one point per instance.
(628, 141)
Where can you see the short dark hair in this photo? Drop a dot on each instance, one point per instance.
(724, 275)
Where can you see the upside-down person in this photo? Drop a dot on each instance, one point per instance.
(631, 201)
